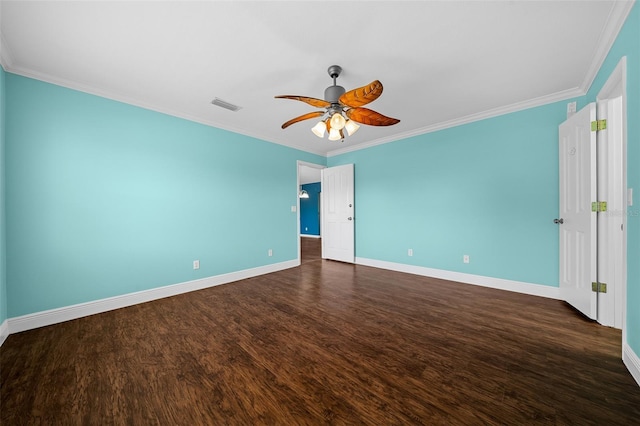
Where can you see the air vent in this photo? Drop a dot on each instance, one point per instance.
(226, 105)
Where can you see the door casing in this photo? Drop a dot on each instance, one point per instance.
(612, 224)
(611, 230)
(313, 166)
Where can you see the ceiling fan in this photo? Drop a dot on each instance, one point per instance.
(338, 103)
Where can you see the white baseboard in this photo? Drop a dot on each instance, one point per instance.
(54, 316)
(631, 361)
(66, 313)
(309, 236)
(497, 283)
(4, 331)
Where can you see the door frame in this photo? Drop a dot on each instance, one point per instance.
(299, 164)
(615, 87)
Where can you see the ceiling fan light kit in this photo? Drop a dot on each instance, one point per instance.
(351, 127)
(343, 110)
(319, 129)
(337, 121)
(335, 135)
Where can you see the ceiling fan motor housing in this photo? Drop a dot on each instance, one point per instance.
(333, 93)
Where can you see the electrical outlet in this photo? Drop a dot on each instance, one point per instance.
(465, 258)
(410, 252)
(196, 264)
(270, 252)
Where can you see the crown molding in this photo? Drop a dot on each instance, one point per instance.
(495, 112)
(615, 21)
(7, 62)
(6, 59)
(114, 96)
(543, 100)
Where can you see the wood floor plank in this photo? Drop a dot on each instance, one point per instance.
(324, 343)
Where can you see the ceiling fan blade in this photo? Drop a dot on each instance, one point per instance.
(370, 117)
(362, 95)
(303, 117)
(320, 103)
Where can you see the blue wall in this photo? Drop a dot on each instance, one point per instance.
(489, 189)
(309, 213)
(3, 275)
(104, 198)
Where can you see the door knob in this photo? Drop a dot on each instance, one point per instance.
(349, 218)
(558, 221)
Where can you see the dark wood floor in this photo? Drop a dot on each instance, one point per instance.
(324, 343)
(310, 249)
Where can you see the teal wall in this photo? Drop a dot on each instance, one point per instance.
(104, 198)
(3, 269)
(489, 189)
(628, 44)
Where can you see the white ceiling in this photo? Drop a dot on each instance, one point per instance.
(308, 174)
(442, 63)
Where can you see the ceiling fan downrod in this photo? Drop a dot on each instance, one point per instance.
(333, 93)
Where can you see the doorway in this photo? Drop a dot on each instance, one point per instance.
(593, 203)
(309, 211)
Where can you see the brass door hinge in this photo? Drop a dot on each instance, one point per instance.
(599, 206)
(599, 287)
(598, 125)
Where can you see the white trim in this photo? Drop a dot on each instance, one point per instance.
(497, 283)
(542, 100)
(619, 13)
(616, 84)
(4, 331)
(299, 164)
(6, 60)
(119, 97)
(495, 112)
(615, 21)
(614, 87)
(310, 236)
(632, 362)
(54, 316)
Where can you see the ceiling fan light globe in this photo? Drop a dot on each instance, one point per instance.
(334, 134)
(351, 127)
(319, 129)
(337, 121)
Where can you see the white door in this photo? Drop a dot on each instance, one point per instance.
(611, 253)
(578, 244)
(338, 213)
